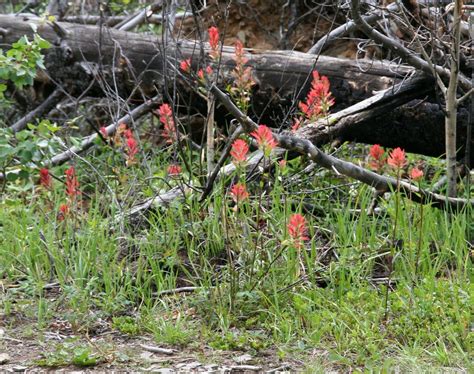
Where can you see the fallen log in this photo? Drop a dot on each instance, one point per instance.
(140, 65)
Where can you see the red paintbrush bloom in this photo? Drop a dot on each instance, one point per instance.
(132, 147)
(264, 137)
(214, 41)
(297, 229)
(243, 79)
(319, 98)
(185, 65)
(72, 184)
(174, 170)
(239, 192)
(416, 174)
(103, 131)
(165, 112)
(397, 158)
(240, 59)
(63, 212)
(45, 178)
(296, 125)
(239, 152)
(166, 118)
(205, 74)
(200, 74)
(377, 157)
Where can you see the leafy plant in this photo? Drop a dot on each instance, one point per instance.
(26, 149)
(19, 64)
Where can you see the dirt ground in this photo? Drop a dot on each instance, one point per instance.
(22, 349)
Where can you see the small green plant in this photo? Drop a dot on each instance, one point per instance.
(83, 356)
(126, 324)
(19, 63)
(23, 152)
(69, 354)
(176, 332)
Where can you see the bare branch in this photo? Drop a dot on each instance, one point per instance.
(44, 107)
(345, 29)
(399, 49)
(348, 169)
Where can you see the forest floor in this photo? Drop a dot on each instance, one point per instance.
(83, 294)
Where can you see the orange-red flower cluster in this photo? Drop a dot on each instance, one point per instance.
(166, 118)
(377, 157)
(103, 131)
(319, 98)
(239, 192)
(265, 140)
(243, 80)
(214, 42)
(296, 125)
(205, 74)
(131, 147)
(45, 178)
(397, 158)
(416, 174)
(72, 190)
(239, 152)
(72, 184)
(185, 65)
(63, 212)
(297, 229)
(174, 170)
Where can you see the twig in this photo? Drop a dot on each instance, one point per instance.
(151, 348)
(399, 49)
(245, 367)
(179, 290)
(345, 29)
(45, 106)
(225, 153)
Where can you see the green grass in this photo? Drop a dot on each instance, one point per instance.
(255, 292)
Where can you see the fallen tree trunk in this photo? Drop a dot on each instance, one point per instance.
(122, 60)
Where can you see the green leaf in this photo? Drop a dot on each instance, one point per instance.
(24, 174)
(43, 143)
(43, 44)
(11, 177)
(25, 156)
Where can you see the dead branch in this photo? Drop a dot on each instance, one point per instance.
(44, 107)
(348, 169)
(400, 50)
(346, 29)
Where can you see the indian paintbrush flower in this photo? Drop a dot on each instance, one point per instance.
(377, 157)
(185, 65)
(239, 152)
(397, 158)
(72, 184)
(45, 178)
(174, 170)
(131, 147)
(265, 139)
(416, 174)
(297, 229)
(318, 100)
(166, 118)
(239, 192)
(214, 42)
